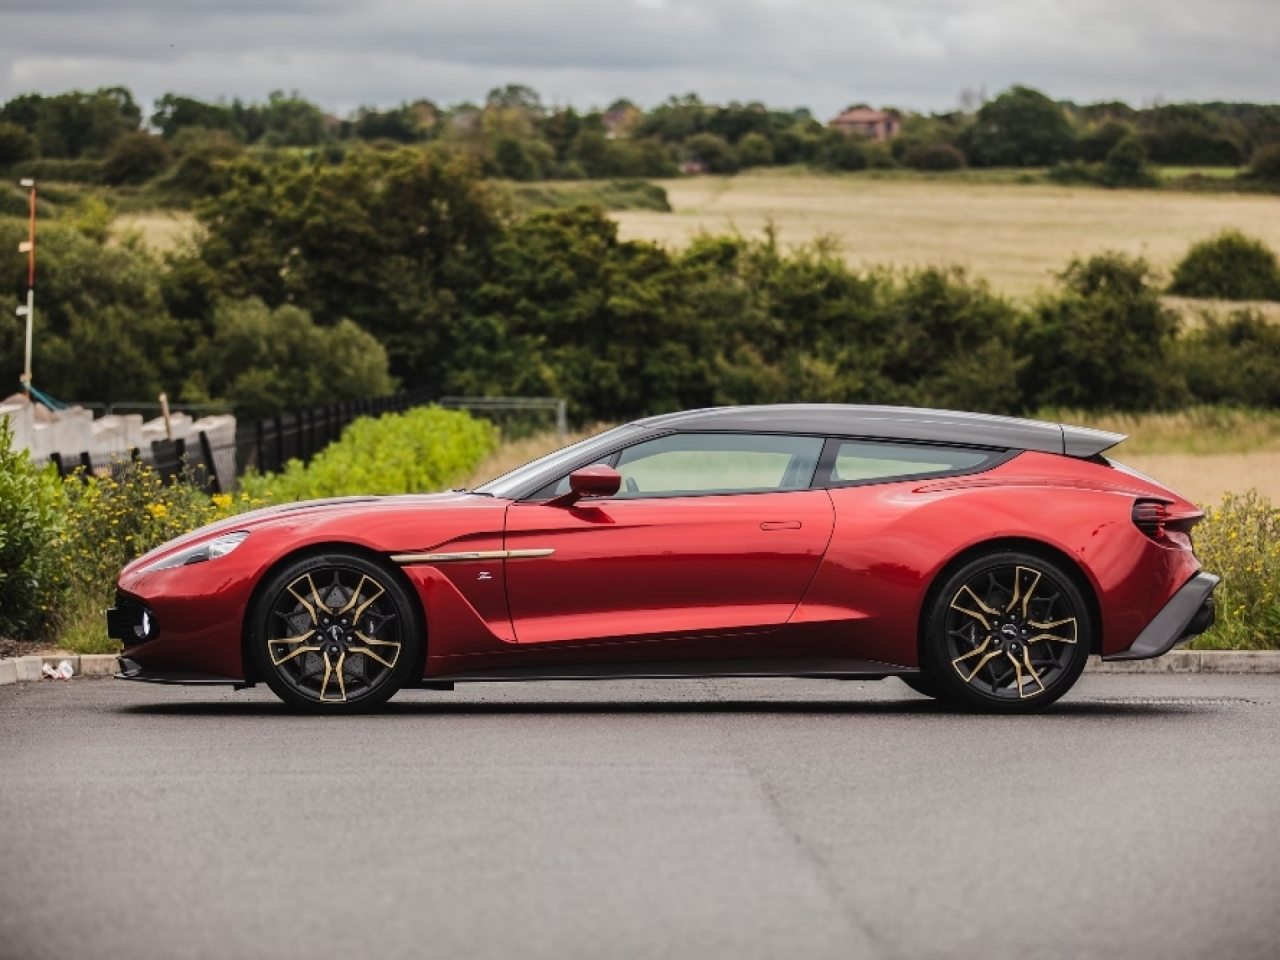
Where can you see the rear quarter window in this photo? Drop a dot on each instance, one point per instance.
(850, 462)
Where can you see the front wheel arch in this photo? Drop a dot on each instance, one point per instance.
(1028, 545)
(317, 549)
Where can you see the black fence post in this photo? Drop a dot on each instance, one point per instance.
(279, 425)
(211, 465)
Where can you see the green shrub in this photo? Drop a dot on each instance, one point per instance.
(1019, 128)
(755, 150)
(135, 158)
(420, 451)
(1265, 164)
(16, 144)
(933, 156)
(28, 522)
(879, 154)
(67, 171)
(1229, 266)
(1126, 165)
(1103, 342)
(1095, 144)
(713, 152)
(262, 361)
(1233, 362)
(844, 153)
(1239, 540)
(108, 522)
(1075, 172)
(202, 158)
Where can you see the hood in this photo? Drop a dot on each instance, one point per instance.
(268, 516)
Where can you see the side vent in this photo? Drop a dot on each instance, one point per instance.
(1150, 516)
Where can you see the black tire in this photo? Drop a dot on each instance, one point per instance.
(925, 685)
(335, 633)
(1008, 632)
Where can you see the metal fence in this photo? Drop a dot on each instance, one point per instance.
(267, 445)
(517, 405)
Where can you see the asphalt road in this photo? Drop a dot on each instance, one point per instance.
(737, 819)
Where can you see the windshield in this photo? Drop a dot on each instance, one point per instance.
(509, 484)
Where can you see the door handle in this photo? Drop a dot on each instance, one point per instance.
(780, 525)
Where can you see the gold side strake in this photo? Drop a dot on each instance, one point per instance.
(471, 555)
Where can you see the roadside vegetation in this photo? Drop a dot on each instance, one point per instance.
(63, 542)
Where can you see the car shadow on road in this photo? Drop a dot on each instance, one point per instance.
(905, 707)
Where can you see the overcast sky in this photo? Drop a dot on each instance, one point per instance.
(919, 54)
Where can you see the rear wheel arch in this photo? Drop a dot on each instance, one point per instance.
(1026, 545)
(319, 550)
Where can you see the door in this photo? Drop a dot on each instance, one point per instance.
(710, 533)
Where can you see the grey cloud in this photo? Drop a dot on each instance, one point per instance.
(822, 53)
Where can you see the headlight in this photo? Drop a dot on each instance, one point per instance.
(209, 550)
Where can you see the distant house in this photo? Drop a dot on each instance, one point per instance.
(865, 122)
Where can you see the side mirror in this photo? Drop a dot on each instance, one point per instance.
(596, 480)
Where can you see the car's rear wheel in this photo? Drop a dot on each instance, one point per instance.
(1008, 632)
(335, 633)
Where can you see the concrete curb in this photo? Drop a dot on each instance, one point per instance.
(1195, 661)
(27, 669)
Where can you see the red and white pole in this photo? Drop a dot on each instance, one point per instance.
(29, 311)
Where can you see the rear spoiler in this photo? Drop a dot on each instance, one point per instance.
(1084, 442)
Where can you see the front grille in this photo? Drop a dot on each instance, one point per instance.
(131, 622)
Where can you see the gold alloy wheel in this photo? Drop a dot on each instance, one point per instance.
(334, 635)
(1011, 632)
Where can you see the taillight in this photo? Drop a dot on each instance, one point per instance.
(1154, 519)
(1149, 516)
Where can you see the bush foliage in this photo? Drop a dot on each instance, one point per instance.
(421, 450)
(28, 520)
(1240, 541)
(107, 522)
(1229, 266)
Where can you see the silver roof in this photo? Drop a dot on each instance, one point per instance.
(894, 423)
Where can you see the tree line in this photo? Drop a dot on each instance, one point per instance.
(102, 136)
(314, 281)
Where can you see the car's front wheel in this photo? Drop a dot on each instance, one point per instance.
(335, 633)
(1008, 632)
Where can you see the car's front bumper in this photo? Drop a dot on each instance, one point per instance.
(132, 670)
(1189, 613)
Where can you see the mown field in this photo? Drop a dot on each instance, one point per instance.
(1016, 235)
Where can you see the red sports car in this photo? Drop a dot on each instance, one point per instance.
(979, 558)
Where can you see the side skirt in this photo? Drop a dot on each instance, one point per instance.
(813, 668)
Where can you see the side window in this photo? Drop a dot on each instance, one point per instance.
(708, 463)
(870, 461)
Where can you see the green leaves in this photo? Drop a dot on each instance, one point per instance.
(423, 450)
(29, 522)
